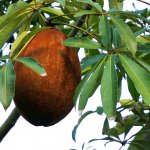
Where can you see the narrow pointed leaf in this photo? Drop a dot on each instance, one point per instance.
(139, 76)
(125, 33)
(135, 95)
(104, 31)
(7, 84)
(91, 85)
(81, 42)
(109, 88)
(32, 64)
(79, 122)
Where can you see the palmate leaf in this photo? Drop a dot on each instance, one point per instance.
(109, 88)
(7, 84)
(32, 64)
(125, 33)
(139, 76)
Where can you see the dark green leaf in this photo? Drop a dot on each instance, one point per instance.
(91, 84)
(104, 31)
(135, 95)
(109, 88)
(99, 110)
(79, 121)
(139, 76)
(7, 84)
(32, 64)
(105, 126)
(91, 60)
(125, 33)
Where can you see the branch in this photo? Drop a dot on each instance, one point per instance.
(144, 2)
(9, 123)
(80, 22)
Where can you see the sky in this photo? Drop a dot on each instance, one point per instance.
(24, 136)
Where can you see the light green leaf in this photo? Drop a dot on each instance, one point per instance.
(139, 76)
(109, 88)
(62, 2)
(91, 84)
(7, 84)
(125, 33)
(22, 40)
(104, 31)
(54, 11)
(81, 42)
(32, 64)
(84, 12)
(10, 22)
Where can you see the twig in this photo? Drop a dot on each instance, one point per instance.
(9, 123)
(80, 22)
(144, 2)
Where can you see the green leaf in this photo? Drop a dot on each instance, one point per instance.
(81, 42)
(79, 122)
(22, 40)
(7, 84)
(104, 31)
(105, 126)
(125, 33)
(54, 11)
(117, 42)
(139, 76)
(62, 2)
(116, 4)
(84, 12)
(10, 22)
(16, 6)
(109, 88)
(91, 84)
(91, 60)
(135, 95)
(32, 64)
(95, 5)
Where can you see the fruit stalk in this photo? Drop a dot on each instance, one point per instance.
(9, 123)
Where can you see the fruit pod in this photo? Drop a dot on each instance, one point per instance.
(45, 100)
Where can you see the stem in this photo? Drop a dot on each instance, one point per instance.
(144, 2)
(80, 22)
(9, 123)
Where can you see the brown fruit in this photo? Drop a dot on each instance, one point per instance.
(47, 100)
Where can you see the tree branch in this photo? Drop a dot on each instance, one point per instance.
(144, 2)
(9, 123)
(80, 22)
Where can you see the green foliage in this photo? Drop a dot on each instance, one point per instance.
(116, 44)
